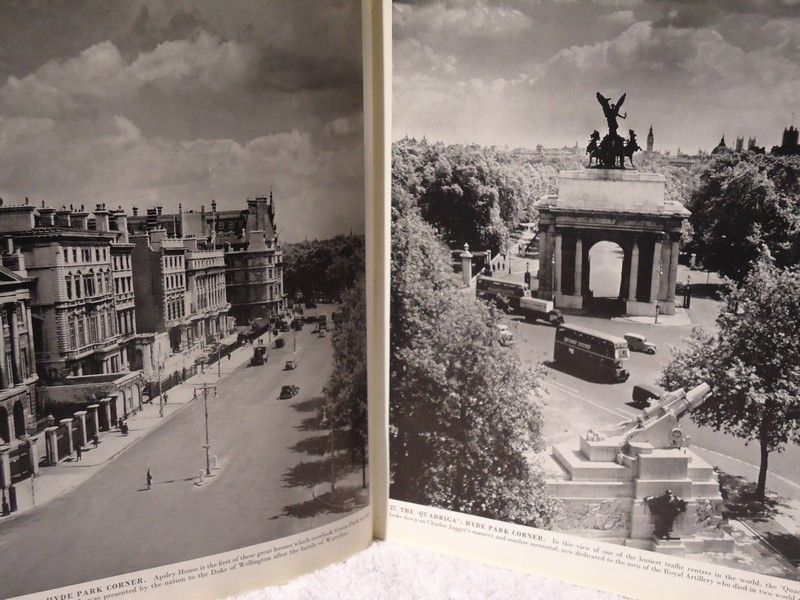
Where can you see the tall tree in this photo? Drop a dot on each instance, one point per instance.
(463, 410)
(346, 390)
(744, 201)
(752, 363)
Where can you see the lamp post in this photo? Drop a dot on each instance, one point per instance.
(207, 446)
(553, 278)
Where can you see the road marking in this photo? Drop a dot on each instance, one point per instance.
(595, 404)
(749, 464)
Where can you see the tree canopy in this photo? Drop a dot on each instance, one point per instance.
(346, 390)
(744, 201)
(464, 411)
(324, 268)
(752, 362)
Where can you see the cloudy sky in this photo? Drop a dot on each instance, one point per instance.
(138, 102)
(525, 72)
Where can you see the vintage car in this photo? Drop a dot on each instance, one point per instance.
(289, 391)
(279, 342)
(639, 343)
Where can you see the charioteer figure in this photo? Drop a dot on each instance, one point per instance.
(611, 151)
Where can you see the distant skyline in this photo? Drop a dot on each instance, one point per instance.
(181, 101)
(518, 73)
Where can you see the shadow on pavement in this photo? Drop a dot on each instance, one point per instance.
(309, 405)
(319, 444)
(309, 473)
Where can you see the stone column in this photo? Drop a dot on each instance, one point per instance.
(634, 277)
(578, 266)
(14, 335)
(51, 445)
(31, 347)
(466, 266)
(67, 423)
(33, 453)
(655, 276)
(673, 269)
(5, 467)
(93, 418)
(557, 274)
(80, 417)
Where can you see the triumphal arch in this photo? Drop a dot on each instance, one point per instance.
(619, 205)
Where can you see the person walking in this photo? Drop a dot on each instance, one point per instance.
(95, 440)
(149, 478)
(78, 452)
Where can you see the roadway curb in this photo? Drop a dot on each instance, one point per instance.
(98, 467)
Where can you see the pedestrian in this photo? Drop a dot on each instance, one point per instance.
(149, 478)
(124, 428)
(78, 452)
(166, 398)
(95, 440)
(160, 409)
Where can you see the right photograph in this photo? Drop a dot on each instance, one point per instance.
(595, 281)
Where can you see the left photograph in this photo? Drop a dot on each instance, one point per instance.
(182, 263)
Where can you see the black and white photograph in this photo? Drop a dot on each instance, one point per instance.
(182, 267)
(595, 271)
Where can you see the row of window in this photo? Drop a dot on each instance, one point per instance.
(175, 281)
(85, 330)
(122, 263)
(175, 309)
(75, 255)
(123, 285)
(126, 321)
(173, 261)
(87, 285)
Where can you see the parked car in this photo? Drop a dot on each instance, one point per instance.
(279, 342)
(289, 391)
(284, 326)
(322, 333)
(639, 343)
(310, 319)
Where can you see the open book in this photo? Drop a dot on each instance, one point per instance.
(282, 278)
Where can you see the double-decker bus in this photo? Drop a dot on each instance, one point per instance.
(501, 292)
(589, 352)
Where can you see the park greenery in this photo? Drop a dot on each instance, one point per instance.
(323, 269)
(752, 362)
(740, 203)
(464, 411)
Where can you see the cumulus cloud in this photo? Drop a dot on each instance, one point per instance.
(136, 106)
(478, 18)
(692, 83)
(100, 75)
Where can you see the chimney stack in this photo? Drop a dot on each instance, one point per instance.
(101, 218)
(121, 222)
(135, 211)
(47, 216)
(64, 217)
(80, 219)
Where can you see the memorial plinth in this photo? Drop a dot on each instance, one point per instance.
(626, 207)
(611, 480)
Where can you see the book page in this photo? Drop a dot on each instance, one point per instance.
(183, 340)
(594, 340)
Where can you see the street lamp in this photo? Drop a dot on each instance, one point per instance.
(207, 446)
(553, 279)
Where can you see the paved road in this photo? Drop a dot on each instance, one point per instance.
(268, 451)
(575, 403)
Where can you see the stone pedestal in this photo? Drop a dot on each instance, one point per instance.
(105, 414)
(51, 445)
(33, 453)
(611, 478)
(5, 467)
(67, 424)
(93, 419)
(80, 423)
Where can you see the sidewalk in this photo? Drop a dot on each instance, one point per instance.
(54, 481)
(679, 319)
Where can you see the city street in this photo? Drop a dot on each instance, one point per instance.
(269, 453)
(575, 405)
